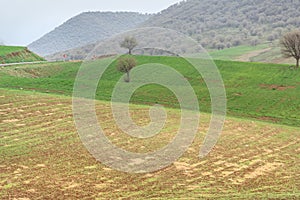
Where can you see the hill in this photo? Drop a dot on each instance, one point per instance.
(264, 53)
(13, 54)
(221, 24)
(267, 92)
(86, 28)
(42, 156)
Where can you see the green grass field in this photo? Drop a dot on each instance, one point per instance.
(265, 53)
(273, 56)
(235, 52)
(268, 92)
(4, 50)
(14, 54)
(42, 156)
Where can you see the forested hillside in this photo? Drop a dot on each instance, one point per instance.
(86, 28)
(225, 23)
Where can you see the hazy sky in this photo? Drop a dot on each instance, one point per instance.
(23, 21)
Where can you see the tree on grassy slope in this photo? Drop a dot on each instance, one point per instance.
(290, 46)
(125, 64)
(129, 43)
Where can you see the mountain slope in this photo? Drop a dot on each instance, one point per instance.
(86, 28)
(225, 23)
(222, 24)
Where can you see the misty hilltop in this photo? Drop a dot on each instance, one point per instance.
(86, 28)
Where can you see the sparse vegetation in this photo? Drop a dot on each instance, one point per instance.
(42, 156)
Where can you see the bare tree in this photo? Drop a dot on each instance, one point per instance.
(125, 64)
(129, 43)
(290, 46)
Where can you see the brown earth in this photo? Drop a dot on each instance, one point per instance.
(276, 87)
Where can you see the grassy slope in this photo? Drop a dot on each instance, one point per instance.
(262, 91)
(4, 50)
(235, 52)
(273, 56)
(13, 54)
(42, 157)
(261, 53)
